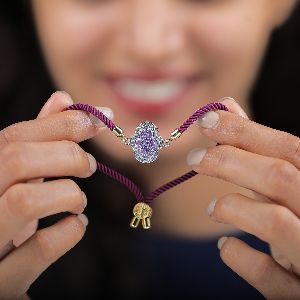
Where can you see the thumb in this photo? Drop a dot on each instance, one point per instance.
(57, 102)
(233, 106)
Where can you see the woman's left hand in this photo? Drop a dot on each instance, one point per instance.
(267, 162)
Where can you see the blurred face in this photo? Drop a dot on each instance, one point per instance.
(156, 60)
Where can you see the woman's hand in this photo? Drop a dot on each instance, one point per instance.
(30, 151)
(266, 161)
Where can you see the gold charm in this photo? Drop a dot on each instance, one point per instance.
(141, 211)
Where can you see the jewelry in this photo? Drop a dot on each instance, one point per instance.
(146, 144)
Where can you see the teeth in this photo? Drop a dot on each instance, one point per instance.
(154, 91)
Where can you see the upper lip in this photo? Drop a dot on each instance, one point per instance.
(151, 75)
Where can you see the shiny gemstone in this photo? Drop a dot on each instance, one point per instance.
(146, 142)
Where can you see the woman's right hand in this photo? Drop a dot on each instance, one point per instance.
(30, 151)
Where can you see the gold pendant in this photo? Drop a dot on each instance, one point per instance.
(141, 211)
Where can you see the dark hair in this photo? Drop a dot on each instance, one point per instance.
(275, 96)
(25, 85)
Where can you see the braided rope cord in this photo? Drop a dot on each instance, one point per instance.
(126, 181)
(169, 185)
(121, 178)
(94, 111)
(200, 112)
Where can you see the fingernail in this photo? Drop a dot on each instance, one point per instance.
(66, 96)
(236, 106)
(227, 98)
(221, 241)
(92, 161)
(209, 120)
(84, 200)
(106, 111)
(195, 156)
(83, 218)
(211, 206)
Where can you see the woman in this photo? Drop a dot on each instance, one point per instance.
(158, 60)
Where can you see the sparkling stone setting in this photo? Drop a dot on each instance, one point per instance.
(146, 142)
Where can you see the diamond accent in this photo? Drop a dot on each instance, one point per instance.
(146, 142)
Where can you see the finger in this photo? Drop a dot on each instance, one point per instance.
(26, 232)
(233, 106)
(37, 254)
(57, 102)
(73, 125)
(231, 129)
(272, 223)
(295, 269)
(24, 202)
(21, 161)
(281, 259)
(259, 269)
(6, 249)
(275, 178)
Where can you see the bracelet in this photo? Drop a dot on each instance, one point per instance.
(146, 143)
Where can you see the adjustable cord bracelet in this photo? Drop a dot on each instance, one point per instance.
(146, 143)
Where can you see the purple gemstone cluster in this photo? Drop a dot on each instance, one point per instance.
(146, 142)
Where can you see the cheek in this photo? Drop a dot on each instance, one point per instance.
(232, 45)
(72, 37)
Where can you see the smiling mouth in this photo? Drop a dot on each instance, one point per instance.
(151, 95)
(158, 91)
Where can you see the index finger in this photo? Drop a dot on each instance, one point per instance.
(232, 129)
(66, 125)
(57, 102)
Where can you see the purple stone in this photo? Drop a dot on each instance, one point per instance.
(146, 142)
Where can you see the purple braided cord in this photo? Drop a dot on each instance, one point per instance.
(169, 185)
(199, 113)
(126, 181)
(97, 113)
(121, 178)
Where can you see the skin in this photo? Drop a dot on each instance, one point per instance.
(225, 42)
(272, 213)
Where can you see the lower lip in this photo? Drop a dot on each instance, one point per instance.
(149, 109)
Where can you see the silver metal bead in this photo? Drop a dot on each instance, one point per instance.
(175, 134)
(118, 131)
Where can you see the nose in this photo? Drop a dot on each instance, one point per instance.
(152, 32)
